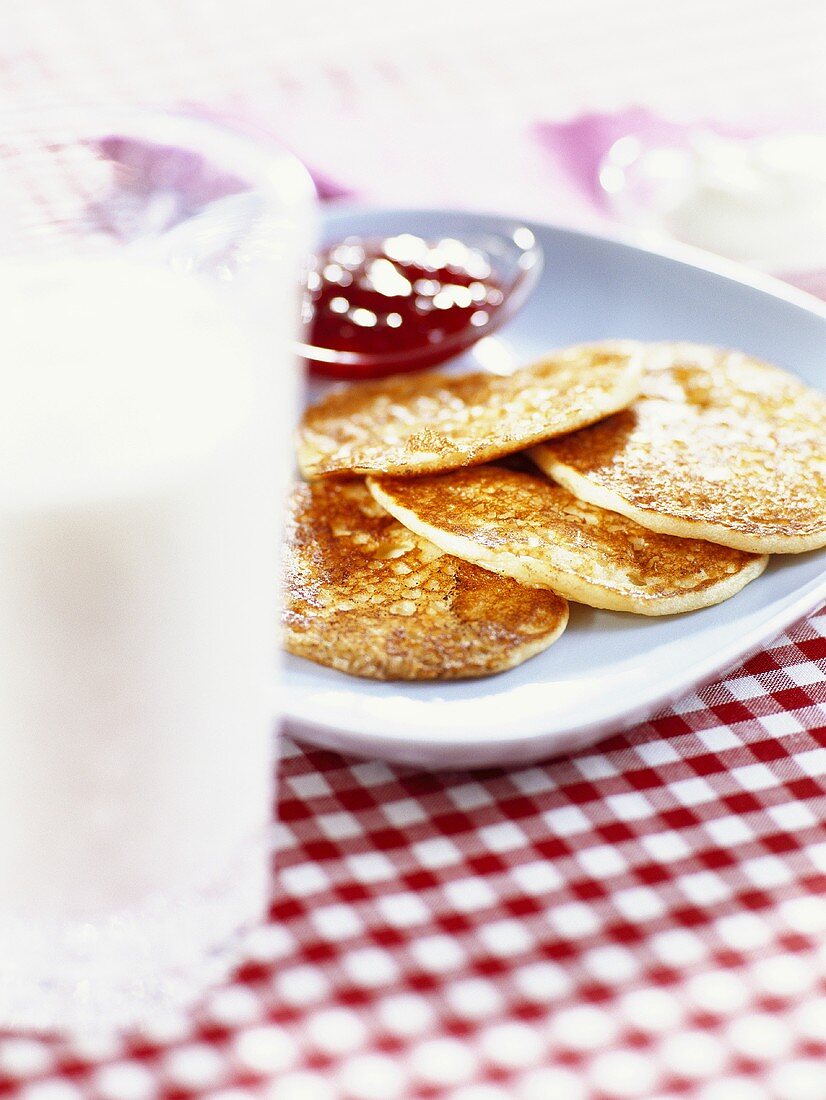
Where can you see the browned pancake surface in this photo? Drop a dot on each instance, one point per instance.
(366, 596)
(425, 423)
(526, 527)
(718, 446)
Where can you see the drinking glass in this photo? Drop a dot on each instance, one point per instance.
(149, 292)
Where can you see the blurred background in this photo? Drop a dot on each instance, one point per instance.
(430, 103)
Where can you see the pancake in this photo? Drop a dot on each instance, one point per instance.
(524, 526)
(719, 446)
(425, 423)
(366, 596)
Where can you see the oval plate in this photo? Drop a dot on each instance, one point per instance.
(609, 670)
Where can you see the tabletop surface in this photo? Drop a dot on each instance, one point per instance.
(646, 919)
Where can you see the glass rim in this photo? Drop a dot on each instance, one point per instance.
(265, 167)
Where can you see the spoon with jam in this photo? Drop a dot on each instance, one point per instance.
(374, 307)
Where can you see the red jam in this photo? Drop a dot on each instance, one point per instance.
(398, 304)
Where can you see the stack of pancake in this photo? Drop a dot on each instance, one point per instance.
(447, 520)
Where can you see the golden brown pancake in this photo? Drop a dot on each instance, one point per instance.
(526, 527)
(719, 446)
(425, 423)
(368, 597)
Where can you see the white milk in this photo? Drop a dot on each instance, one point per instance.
(138, 499)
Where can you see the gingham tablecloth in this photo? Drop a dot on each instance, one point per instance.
(646, 919)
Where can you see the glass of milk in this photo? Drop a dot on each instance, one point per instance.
(149, 273)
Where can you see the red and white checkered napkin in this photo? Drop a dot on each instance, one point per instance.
(647, 919)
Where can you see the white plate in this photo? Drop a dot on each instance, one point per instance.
(608, 670)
